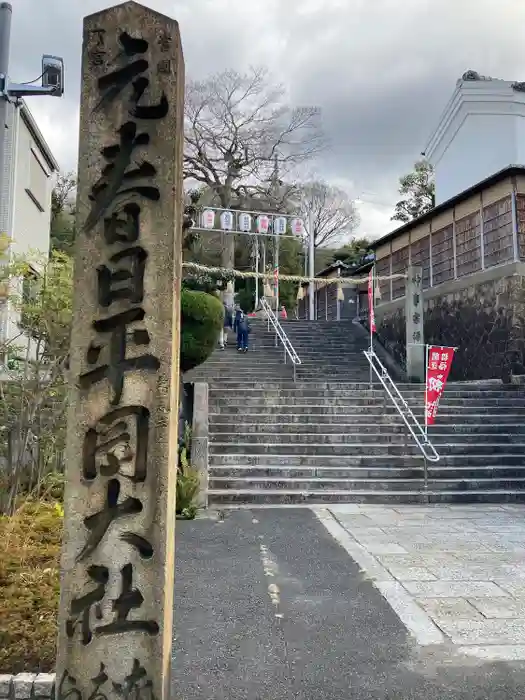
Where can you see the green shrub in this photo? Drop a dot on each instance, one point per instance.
(29, 586)
(187, 489)
(202, 317)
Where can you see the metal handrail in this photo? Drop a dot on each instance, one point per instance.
(427, 448)
(281, 335)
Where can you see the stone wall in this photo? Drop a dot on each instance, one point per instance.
(27, 686)
(486, 321)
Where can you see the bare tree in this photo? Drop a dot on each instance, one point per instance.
(334, 215)
(63, 213)
(236, 126)
(62, 197)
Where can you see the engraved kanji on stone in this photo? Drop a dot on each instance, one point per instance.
(126, 280)
(118, 179)
(129, 599)
(131, 74)
(118, 363)
(118, 445)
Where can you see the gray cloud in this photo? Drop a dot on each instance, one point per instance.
(382, 72)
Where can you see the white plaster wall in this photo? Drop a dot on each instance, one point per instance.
(483, 145)
(481, 131)
(30, 224)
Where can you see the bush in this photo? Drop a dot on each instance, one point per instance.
(202, 317)
(29, 587)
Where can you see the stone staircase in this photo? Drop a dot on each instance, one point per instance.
(328, 438)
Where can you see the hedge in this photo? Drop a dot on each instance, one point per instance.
(29, 587)
(202, 317)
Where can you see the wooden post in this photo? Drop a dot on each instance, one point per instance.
(116, 602)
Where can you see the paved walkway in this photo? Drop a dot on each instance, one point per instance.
(270, 606)
(454, 574)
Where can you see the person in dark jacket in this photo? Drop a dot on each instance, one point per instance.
(241, 325)
(228, 325)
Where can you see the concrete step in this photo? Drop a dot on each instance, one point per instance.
(287, 497)
(332, 430)
(348, 401)
(257, 418)
(386, 437)
(319, 460)
(231, 407)
(503, 389)
(388, 485)
(284, 472)
(340, 391)
(377, 448)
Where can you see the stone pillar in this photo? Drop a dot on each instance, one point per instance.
(199, 440)
(116, 602)
(414, 323)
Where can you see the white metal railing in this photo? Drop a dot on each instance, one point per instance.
(418, 433)
(280, 334)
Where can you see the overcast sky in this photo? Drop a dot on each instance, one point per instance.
(380, 70)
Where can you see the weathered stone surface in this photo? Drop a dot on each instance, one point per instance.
(414, 324)
(199, 442)
(116, 608)
(485, 319)
(453, 608)
(23, 685)
(43, 685)
(5, 685)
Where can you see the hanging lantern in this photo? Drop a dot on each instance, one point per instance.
(297, 227)
(226, 221)
(263, 223)
(208, 218)
(377, 291)
(279, 226)
(268, 291)
(300, 293)
(340, 293)
(245, 222)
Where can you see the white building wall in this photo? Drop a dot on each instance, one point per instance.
(32, 206)
(29, 219)
(481, 131)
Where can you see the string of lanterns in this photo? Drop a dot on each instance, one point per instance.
(264, 224)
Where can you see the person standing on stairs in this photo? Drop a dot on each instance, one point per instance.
(228, 325)
(242, 326)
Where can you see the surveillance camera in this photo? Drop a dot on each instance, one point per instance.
(53, 74)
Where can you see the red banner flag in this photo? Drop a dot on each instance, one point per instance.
(439, 362)
(371, 314)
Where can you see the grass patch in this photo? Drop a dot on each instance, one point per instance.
(30, 542)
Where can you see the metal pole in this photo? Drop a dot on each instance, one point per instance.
(370, 312)
(6, 12)
(264, 281)
(425, 465)
(311, 247)
(277, 243)
(256, 270)
(426, 391)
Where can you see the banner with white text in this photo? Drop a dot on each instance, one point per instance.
(439, 362)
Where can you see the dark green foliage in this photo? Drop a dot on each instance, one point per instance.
(352, 253)
(202, 316)
(419, 193)
(245, 294)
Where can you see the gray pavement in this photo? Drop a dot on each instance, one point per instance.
(459, 569)
(269, 605)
